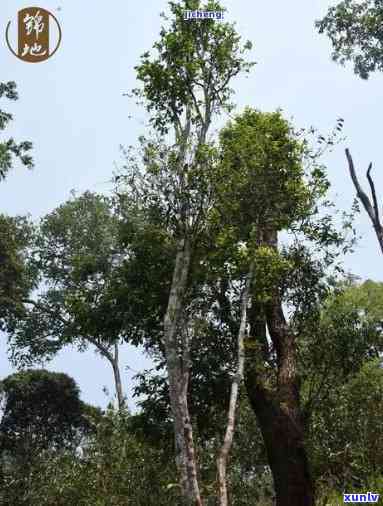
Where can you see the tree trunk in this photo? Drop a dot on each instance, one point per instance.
(278, 408)
(286, 433)
(229, 434)
(117, 379)
(278, 412)
(283, 437)
(178, 376)
(113, 360)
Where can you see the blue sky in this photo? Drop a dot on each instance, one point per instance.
(73, 110)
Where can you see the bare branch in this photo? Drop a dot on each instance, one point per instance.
(373, 193)
(372, 211)
(361, 195)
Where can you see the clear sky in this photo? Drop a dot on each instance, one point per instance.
(73, 110)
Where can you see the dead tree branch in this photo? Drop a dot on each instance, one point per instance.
(371, 209)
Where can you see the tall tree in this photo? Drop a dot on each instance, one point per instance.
(261, 179)
(184, 86)
(266, 187)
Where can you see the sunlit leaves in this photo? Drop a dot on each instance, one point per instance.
(191, 67)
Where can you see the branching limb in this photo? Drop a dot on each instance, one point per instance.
(371, 209)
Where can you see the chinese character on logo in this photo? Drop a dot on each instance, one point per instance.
(34, 23)
(35, 50)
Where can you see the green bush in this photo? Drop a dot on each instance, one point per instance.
(112, 468)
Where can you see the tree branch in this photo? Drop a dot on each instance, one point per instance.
(373, 193)
(372, 211)
(361, 195)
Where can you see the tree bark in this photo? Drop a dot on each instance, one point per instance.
(117, 379)
(229, 434)
(292, 475)
(283, 438)
(277, 407)
(178, 377)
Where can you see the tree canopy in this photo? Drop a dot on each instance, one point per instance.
(41, 410)
(355, 31)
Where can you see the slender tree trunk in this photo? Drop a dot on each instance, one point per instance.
(114, 362)
(229, 434)
(117, 378)
(178, 377)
